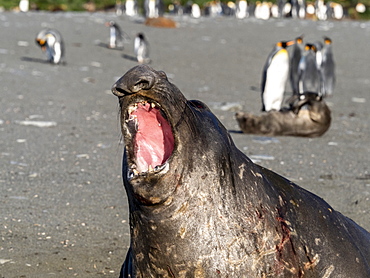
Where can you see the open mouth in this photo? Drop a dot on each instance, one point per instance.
(152, 138)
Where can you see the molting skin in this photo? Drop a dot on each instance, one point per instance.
(307, 116)
(200, 208)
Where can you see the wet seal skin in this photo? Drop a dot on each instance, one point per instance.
(307, 116)
(200, 208)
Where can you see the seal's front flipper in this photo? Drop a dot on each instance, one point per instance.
(126, 270)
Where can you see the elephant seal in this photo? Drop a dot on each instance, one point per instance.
(161, 22)
(307, 116)
(199, 207)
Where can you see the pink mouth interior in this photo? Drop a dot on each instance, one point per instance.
(154, 140)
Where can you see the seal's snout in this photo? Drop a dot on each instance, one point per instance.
(135, 80)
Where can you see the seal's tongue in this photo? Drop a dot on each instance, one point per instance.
(154, 141)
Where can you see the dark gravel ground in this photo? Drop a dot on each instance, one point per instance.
(63, 209)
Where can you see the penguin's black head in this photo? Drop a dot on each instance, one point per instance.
(299, 40)
(327, 40)
(41, 42)
(310, 46)
(285, 44)
(110, 23)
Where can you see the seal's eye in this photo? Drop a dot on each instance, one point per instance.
(197, 104)
(162, 74)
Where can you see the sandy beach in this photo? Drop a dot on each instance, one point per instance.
(63, 208)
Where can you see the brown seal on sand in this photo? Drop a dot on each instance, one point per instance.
(308, 116)
(162, 22)
(200, 208)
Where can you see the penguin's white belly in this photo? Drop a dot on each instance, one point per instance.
(57, 52)
(24, 5)
(242, 9)
(130, 8)
(136, 45)
(112, 41)
(276, 77)
(153, 12)
(141, 54)
(195, 11)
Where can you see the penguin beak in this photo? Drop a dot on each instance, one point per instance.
(41, 42)
(289, 43)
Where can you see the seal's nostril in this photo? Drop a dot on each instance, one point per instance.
(123, 91)
(119, 91)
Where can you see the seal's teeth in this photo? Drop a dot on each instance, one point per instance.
(131, 118)
(131, 174)
(161, 167)
(132, 109)
(150, 168)
(152, 105)
(134, 119)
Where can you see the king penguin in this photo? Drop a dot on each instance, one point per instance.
(153, 8)
(141, 48)
(24, 5)
(294, 63)
(274, 76)
(51, 42)
(308, 71)
(131, 7)
(241, 9)
(327, 68)
(115, 34)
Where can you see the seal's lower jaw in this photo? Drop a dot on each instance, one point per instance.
(149, 139)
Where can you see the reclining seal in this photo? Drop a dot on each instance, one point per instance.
(307, 116)
(200, 208)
